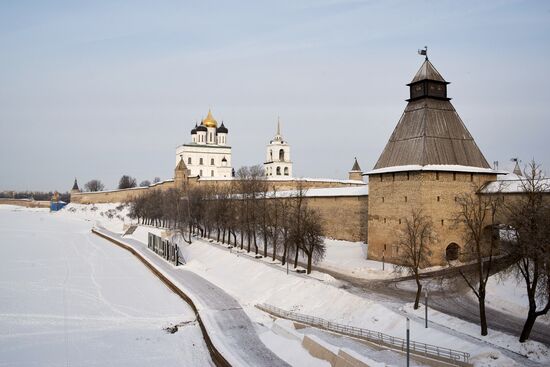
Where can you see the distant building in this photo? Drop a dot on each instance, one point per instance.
(277, 162)
(208, 154)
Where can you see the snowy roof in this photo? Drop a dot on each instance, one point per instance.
(510, 184)
(434, 167)
(328, 192)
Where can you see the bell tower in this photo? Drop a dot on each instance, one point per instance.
(277, 163)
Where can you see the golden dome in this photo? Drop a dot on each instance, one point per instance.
(210, 121)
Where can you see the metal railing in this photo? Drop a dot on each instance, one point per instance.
(417, 348)
(165, 249)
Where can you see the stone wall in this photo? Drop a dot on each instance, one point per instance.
(343, 217)
(117, 196)
(25, 202)
(392, 197)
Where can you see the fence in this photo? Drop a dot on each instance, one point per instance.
(164, 248)
(421, 349)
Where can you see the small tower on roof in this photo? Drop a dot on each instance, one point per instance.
(517, 169)
(181, 173)
(355, 173)
(277, 162)
(75, 186)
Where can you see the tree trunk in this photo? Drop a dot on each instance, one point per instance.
(528, 326)
(309, 258)
(296, 258)
(418, 291)
(482, 315)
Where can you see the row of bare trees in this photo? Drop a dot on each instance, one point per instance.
(524, 218)
(243, 213)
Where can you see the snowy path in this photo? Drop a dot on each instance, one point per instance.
(68, 297)
(230, 329)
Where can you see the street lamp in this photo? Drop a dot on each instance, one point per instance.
(426, 306)
(408, 341)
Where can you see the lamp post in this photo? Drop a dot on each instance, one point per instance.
(408, 341)
(426, 306)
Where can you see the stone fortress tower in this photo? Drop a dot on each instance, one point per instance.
(277, 162)
(208, 154)
(355, 173)
(429, 160)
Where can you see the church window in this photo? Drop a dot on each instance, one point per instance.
(212, 173)
(281, 155)
(437, 175)
(200, 172)
(471, 176)
(271, 155)
(408, 176)
(454, 176)
(189, 160)
(286, 171)
(211, 138)
(212, 161)
(201, 161)
(278, 171)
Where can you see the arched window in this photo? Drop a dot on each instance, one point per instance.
(278, 171)
(189, 160)
(282, 155)
(212, 173)
(201, 161)
(200, 172)
(212, 161)
(452, 251)
(286, 171)
(270, 155)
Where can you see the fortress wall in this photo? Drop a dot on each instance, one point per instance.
(343, 217)
(116, 196)
(25, 202)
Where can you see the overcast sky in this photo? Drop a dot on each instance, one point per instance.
(97, 89)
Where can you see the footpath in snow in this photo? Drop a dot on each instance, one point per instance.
(228, 326)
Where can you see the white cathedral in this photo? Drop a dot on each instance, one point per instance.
(209, 155)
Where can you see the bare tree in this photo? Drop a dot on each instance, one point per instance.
(415, 241)
(156, 180)
(145, 183)
(94, 185)
(477, 217)
(126, 182)
(529, 216)
(312, 243)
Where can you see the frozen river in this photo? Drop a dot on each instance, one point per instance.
(70, 298)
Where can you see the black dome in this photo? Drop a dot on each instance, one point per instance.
(201, 128)
(222, 129)
(194, 130)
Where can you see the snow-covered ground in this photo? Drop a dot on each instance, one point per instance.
(252, 282)
(68, 297)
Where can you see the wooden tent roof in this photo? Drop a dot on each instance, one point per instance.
(427, 72)
(430, 132)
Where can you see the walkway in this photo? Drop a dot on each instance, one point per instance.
(229, 328)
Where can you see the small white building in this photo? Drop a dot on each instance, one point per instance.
(277, 163)
(207, 155)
